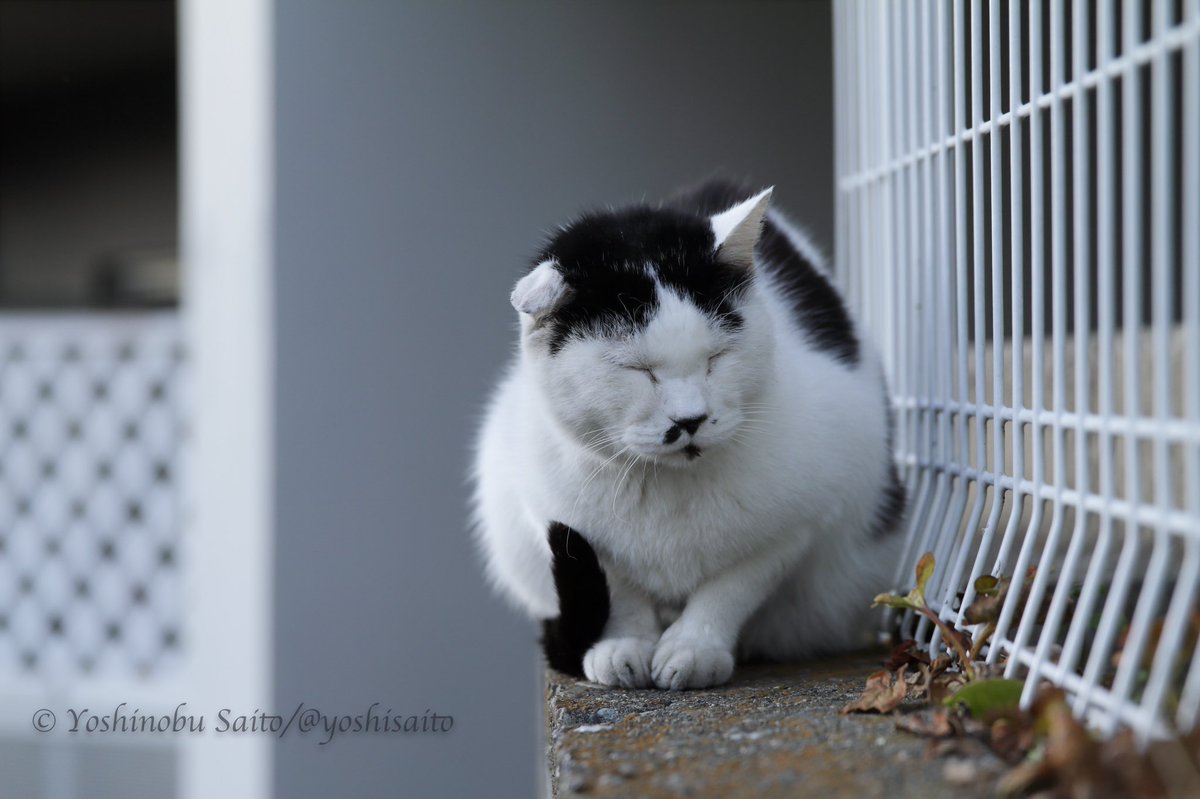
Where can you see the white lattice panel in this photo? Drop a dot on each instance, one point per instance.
(89, 442)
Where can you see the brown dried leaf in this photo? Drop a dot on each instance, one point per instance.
(933, 723)
(1068, 745)
(1072, 762)
(983, 609)
(883, 693)
(1011, 738)
(963, 637)
(1027, 778)
(1140, 774)
(904, 654)
(944, 686)
(939, 665)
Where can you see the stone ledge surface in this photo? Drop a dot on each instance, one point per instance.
(774, 731)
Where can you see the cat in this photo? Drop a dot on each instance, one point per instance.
(688, 462)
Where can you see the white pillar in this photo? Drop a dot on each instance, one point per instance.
(226, 123)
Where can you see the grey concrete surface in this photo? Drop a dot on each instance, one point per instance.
(774, 731)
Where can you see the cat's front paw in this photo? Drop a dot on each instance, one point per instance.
(681, 662)
(622, 662)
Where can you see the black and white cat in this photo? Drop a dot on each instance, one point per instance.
(689, 459)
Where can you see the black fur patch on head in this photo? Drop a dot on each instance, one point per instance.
(583, 603)
(816, 305)
(611, 261)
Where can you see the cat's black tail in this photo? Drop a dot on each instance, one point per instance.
(582, 601)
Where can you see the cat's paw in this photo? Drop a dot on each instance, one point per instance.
(621, 662)
(681, 662)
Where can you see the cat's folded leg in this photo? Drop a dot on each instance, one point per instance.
(622, 655)
(697, 651)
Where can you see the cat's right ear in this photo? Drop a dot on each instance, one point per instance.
(736, 231)
(540, 291)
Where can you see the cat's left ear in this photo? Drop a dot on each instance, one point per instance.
(540, 291)
(737, 230)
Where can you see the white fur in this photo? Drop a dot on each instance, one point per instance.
(539, 291)
(762, 546)
(737, 230)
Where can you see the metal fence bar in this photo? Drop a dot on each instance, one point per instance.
(1016, 226)
(1001, 643)
(1189, 704)
(1106, 335)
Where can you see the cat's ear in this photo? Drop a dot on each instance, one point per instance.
(737, 230)
(541, 290)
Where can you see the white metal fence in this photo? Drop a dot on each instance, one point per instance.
(1019, 226)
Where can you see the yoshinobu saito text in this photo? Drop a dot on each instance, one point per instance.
(303, 720)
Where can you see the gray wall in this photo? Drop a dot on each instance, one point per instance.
(422, 149)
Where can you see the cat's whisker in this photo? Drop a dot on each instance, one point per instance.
(601, 467)
(587, 481)
(620, 482)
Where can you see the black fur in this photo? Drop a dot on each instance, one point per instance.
(603, 257)
(582, 601)
(889, 516)
(890, 513)
(816, 305)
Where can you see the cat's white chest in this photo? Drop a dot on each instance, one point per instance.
(666, 530)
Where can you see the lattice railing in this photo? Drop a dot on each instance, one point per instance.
(89, 528)
(1019, 227)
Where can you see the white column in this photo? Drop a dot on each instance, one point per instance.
(226, 100)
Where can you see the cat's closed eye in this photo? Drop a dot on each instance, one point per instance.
(646, 370)
(713, 359)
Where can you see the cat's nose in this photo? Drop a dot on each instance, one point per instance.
(691, 424)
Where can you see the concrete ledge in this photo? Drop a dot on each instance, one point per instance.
(774, 731)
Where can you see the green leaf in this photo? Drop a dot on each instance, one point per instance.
(916, 597)
(983, 698)
(987, 585)
(894, 601)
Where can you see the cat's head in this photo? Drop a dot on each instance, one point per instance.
(646, 331)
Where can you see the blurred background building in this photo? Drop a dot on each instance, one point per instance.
(254, 268)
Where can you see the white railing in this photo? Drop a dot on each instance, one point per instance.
(1019, 227)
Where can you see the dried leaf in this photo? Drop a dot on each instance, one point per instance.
(962, 638)
(883, 693)
(1026, 778)
(985, 608)
(933, 723)
(1072, 759)
(945, 685)
(1011, 737)
(985, 698)
(904, 654)
(1145, 774)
